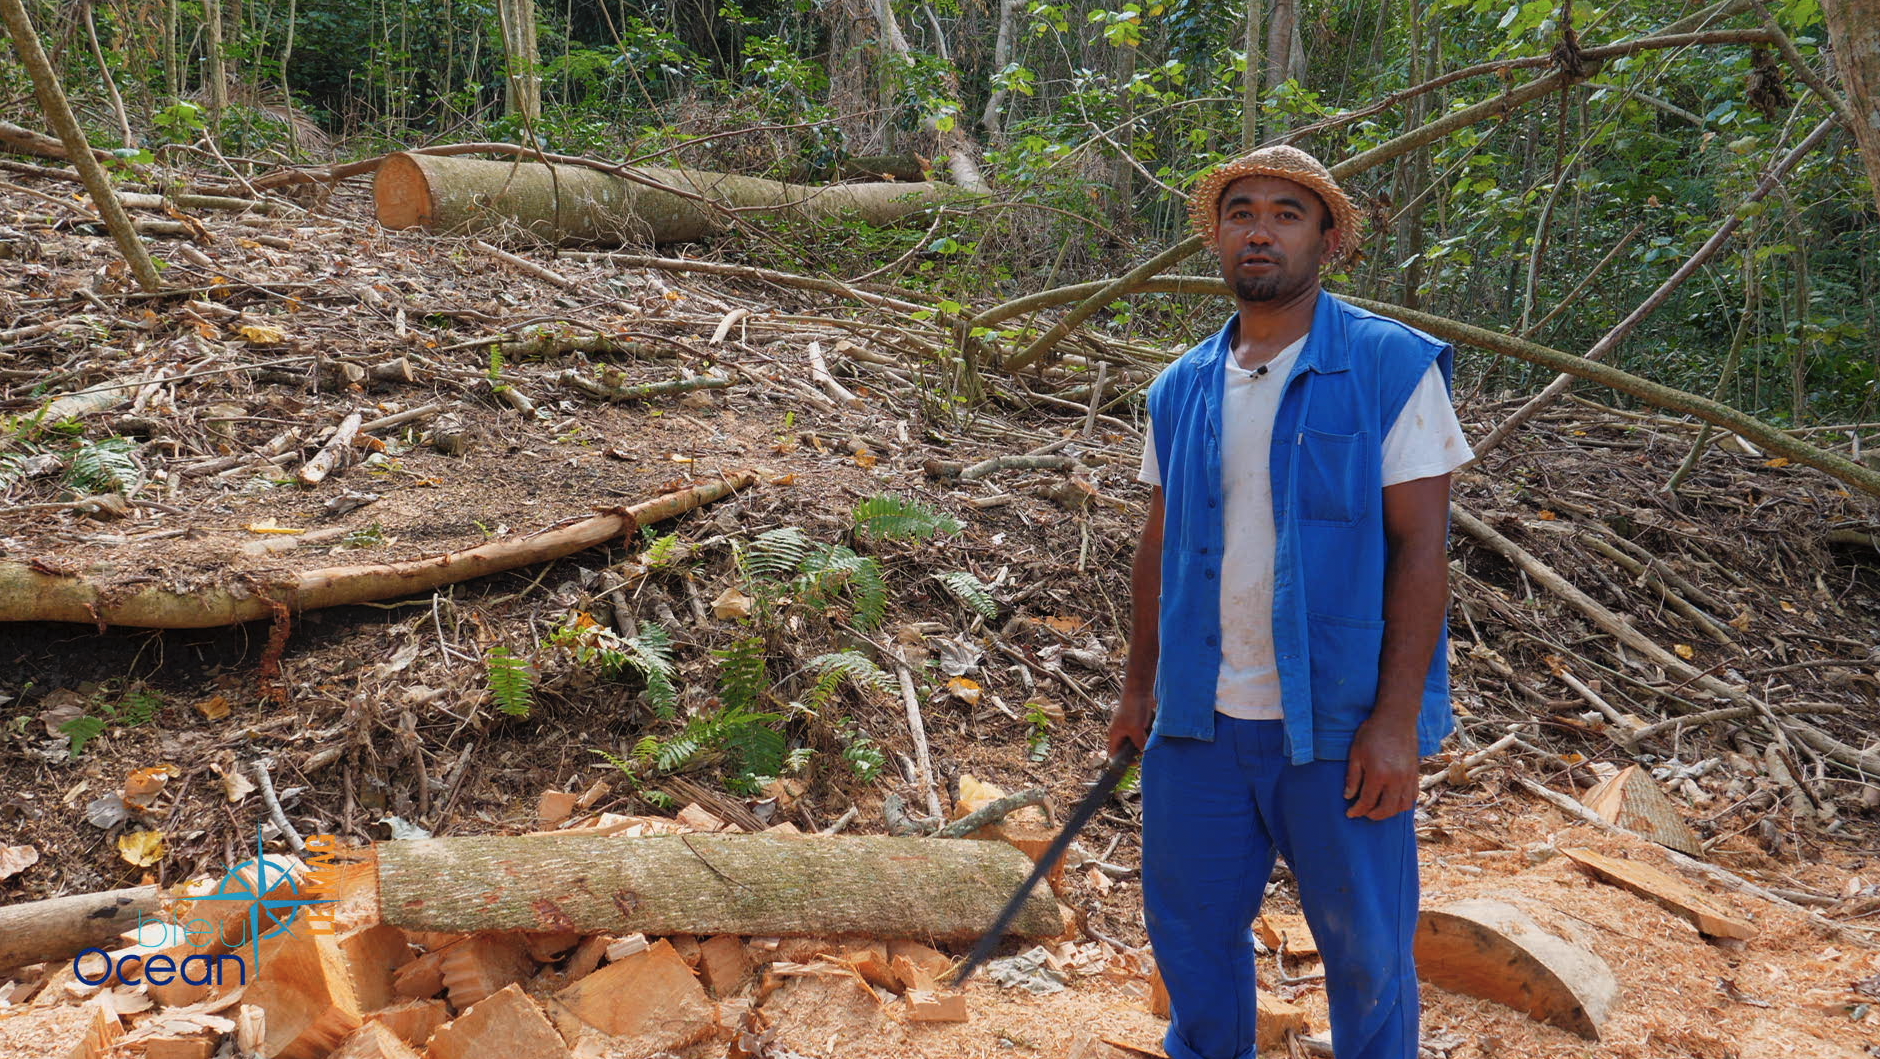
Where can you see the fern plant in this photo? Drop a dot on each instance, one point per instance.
(786, 561)
(886, 516)
(511, 681)
(105, 466)
(976, 594)
(742, 678)
(647, 652)
(837, 570)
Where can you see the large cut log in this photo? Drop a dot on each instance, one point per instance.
(810, 885)
(1495, 951)
(36, 590)
(586, 205)
(62, 927)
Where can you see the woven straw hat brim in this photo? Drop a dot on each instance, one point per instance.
(1287, 164)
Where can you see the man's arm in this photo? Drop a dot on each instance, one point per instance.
(1137, 710)
(1382, 774)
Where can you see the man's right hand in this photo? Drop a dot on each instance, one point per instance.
(1131, 721)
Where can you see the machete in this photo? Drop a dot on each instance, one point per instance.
(1113, 770)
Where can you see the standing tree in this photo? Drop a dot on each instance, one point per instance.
(51, 97)
(522, 83)
(1854, 27)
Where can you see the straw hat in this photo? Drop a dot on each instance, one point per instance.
(1288, 163)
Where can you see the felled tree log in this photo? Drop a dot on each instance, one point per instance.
(44, 591)
(62, 927)
(709, 884)
(586, 205)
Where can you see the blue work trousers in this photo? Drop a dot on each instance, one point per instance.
(1214, 815)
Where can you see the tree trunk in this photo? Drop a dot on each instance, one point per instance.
(583, 205)
(940, 889)
(992, 120)
(522, 83)
(962, 152)
(1854, 28)
(1250, 79)
(41, 931)
(212, 49)
(51, 96)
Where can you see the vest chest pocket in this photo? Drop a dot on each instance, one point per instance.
(1333, 477)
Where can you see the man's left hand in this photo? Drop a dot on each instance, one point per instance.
(1381, 776)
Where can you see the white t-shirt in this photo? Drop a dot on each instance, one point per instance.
(1425, 441)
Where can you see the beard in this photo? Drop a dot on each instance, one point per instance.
(1259, 288)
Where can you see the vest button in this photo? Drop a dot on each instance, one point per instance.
(1214, 641)
(1209, 574)
(1212, 503)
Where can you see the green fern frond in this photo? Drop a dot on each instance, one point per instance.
(646, 751)
(887, 515)
(836, 569)
(650, 652)
(662, 552)
(865, 758)
(775, 555)
(970, 590)
(512, 683)
(855, 667)
(755, 746)
(105, 466)
(742, 679)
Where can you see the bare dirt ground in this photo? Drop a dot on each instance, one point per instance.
(1755, 572)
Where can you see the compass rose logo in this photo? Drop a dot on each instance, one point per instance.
(256, 882)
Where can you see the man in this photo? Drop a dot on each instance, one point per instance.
(1289, 595)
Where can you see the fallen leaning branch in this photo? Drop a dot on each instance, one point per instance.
(605, 389)
(42, 591)
(780, 885)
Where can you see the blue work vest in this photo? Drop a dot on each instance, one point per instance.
(1346, 387)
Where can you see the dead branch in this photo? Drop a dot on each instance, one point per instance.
(36, 592)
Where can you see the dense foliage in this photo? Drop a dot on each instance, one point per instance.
(1093, 118)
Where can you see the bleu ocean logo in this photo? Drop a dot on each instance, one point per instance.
(277, 894)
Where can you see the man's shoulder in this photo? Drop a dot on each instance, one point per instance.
(1185, 367)
(1383, 332)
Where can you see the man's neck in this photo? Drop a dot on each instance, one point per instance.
(1268, 327)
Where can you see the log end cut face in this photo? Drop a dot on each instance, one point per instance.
(1495, 951)
(402, 192)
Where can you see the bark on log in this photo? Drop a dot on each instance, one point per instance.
(31, 591)
(576, 204)
(709, 884)
(61, 927)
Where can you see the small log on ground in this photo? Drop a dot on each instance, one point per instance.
(1667, 891)
(580, 204)
(61, 927)
(1631, 799)
(1495, 951)
(30, 592)
(1279, 931)
(709, 884)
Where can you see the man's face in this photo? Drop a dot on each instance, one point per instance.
(1272, 238)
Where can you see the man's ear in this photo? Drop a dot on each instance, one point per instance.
(1334, 240)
